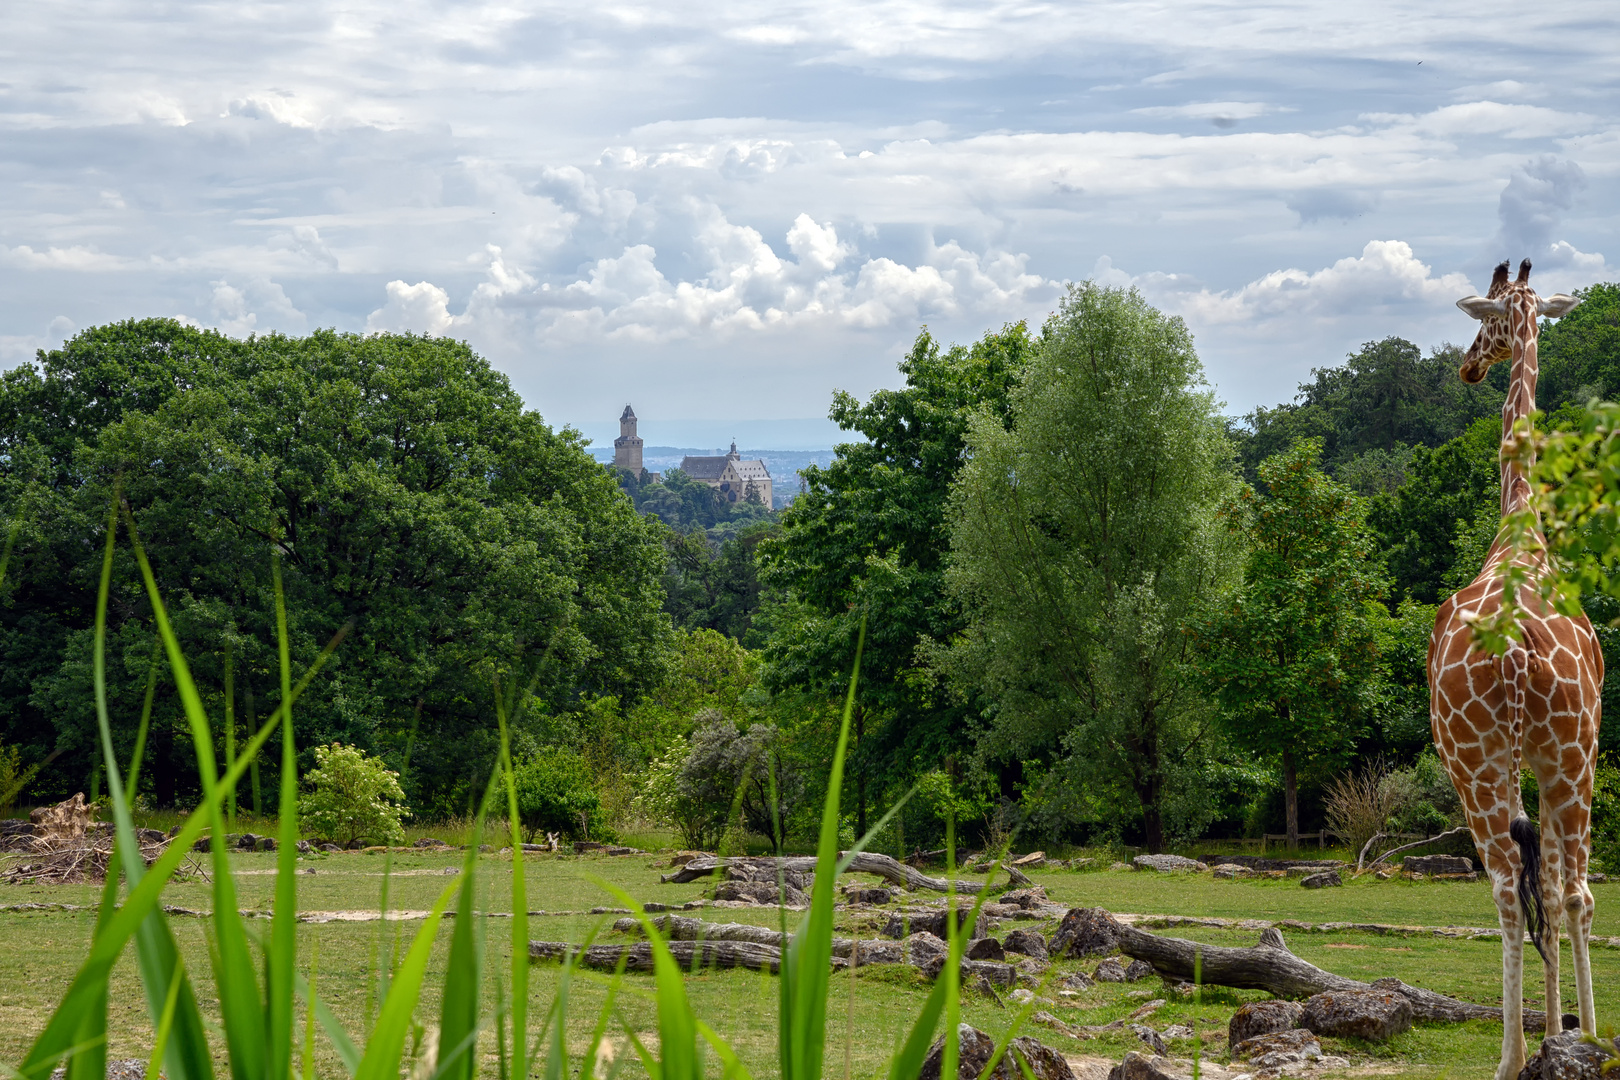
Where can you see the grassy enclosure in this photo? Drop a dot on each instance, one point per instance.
(866, 1019)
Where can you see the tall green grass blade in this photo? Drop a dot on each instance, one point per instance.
(157, 956)
(141, 903)
(166, 1022)
(458, 1010)
(240, 1007)
(807, 961)
(677, 1025)
(308, 1071)
(386, 1046)
(281, 958)
(520, 902)
(347, 1052)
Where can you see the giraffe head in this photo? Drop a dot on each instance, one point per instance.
(1509, 310)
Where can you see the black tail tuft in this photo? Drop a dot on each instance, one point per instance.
(1535, 915)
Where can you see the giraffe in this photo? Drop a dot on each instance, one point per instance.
(1536, 706)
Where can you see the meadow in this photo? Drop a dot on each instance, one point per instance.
(867, 1014)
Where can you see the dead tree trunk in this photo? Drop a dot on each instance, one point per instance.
(1271, 967)
(866, 862)
(639, 956)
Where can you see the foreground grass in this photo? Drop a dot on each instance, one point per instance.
(43, 948)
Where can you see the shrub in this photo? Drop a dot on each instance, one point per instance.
(13, 777)
(352, 797)
(555, 794)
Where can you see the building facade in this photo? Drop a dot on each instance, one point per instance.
(627, 447)
(737, 480)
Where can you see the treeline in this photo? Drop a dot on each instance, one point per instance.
(1095, 608)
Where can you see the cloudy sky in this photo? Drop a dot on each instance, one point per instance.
(723, 211)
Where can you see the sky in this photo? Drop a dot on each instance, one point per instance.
(723, 212)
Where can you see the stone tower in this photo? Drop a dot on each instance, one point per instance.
(627, 447)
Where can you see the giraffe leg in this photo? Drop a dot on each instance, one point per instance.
(1502, 863)
(1552, 903)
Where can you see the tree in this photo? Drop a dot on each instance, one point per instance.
(1084, 539)
(869, 537)
(413, 499)
(351, 797)
(1294, 655)
(555, 794)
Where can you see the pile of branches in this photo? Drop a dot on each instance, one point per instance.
(60, 845)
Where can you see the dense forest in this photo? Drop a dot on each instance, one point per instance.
(1095, 608)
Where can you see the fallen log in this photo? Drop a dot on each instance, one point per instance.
(1270, 966)
(639, 955)
(864, 863)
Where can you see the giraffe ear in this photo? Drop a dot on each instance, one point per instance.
(1482, 309)
(1556, 306)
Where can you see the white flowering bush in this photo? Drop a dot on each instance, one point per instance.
(350, 797)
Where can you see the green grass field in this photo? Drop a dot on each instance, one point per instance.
(43, 948)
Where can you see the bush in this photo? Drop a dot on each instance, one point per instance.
(555, 794)
(13, 778)
(352, 797)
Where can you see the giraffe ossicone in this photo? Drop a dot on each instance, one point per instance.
(1537, 706)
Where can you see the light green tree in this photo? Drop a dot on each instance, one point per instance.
(351, 797)
(1294, 655)
(1084, 540)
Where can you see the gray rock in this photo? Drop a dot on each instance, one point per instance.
(1280, 1048)
(1032, 897)
(1566, 1057)
(1374, 1015)
(1437, 864)
(1084, 932)
(1150, 1038)
(985, 949)
(974, 1048)
(1110, 971)
(1138, 969)
(1139, 1066)
(1026, 943)
(1263, 1018)
(910, 922)
(1165, 864)
(1327, 879)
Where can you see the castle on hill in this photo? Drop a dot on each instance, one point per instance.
(736, 479)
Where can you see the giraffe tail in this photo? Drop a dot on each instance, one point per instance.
(1535, 915)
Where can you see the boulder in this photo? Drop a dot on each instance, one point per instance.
(1110, 971)
(760, 892)
(860, 895)
(1262, 1018)
(985, 949)
(1032, 897)
(1138, 969)
(1279, 1048)
(974, 1049)
(1566, 1057)
(1150, 1038)
(1026, 943)
(1437, 864)
(1327, 879)
(1374, 1015)
(902, 923)
(1084, 932)
(1139, 1066)
(1166, 864)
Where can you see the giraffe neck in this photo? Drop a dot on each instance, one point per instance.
(1520, 403)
